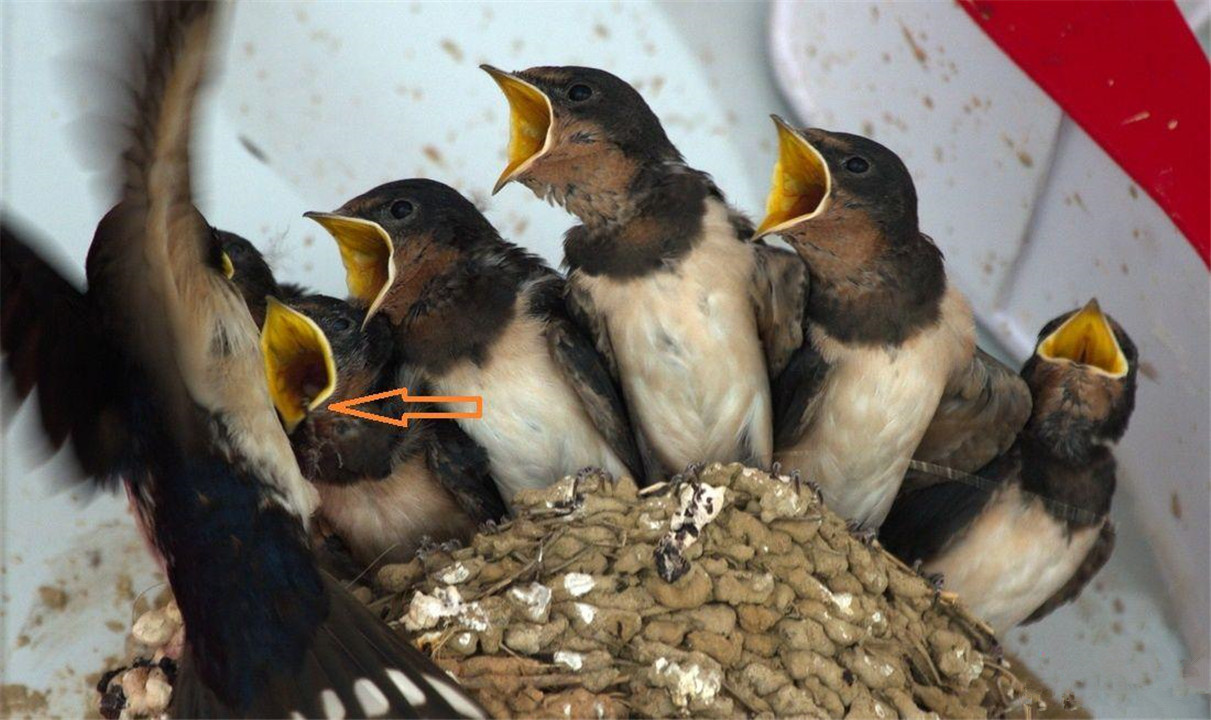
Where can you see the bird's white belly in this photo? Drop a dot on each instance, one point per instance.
(688, 352)
(534, 428)
(694, 375)
(874, 408)
(1012, 559)
(392, 514)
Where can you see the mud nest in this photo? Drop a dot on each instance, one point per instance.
(726, 593)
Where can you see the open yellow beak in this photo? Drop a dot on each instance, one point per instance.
(800, 187)
(530, 121)
(298, 363)
(367, 254)
(1088, 339)
(228, 266)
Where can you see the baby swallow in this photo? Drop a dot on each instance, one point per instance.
(156, 375)
(244, 265)
(692, 318)
(479, 316)
(1030, 537)
(382, 488)
(889, 365)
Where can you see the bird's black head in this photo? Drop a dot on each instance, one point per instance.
(577, 132)
(399, 237)
(316, 349)
(246, 267)
(1082, 378)
(838, 193)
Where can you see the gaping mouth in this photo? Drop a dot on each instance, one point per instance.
(298, 363)
(1088, 339)
(800, 186)
(530, 121)
(367, 254)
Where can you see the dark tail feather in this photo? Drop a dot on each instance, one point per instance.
(357, 667)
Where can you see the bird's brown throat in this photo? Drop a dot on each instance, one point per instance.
(662, 222)
(423, 267)
(869, 286)
(596, 189)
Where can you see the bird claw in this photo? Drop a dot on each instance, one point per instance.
(799, 481)
(775, 469)
(575, 499)
(866, 536)
(426, 546)
(689, 474)
(936, 580)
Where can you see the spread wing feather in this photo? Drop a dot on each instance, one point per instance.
(52, 343)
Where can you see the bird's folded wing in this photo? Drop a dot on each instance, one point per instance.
(1097, 557)
(578, 306)
(51, 343)
(927, 518)
(780, 285)
(461, 466)
(983, 407)
(588, 369)
(795, 392)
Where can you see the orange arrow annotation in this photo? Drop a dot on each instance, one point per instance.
(346, 407)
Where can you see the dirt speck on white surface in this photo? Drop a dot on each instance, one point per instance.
(19, 701)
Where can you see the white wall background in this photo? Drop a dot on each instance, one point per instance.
(338, 97)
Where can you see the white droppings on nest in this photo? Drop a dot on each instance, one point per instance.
(425, 611)
(699, 505)
(578, 584)
(454, 574)
(974, 668)
(474, 617)
(571, 660)
(784, 500)
(649, 523)
(843, 601)
(534, 599)
(586, 612)
(689, 683)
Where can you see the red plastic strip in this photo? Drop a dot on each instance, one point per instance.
(1134, 77)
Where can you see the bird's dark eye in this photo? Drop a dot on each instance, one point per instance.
(580, 92)
(857, 165)
(341, 323)
(401, 209)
